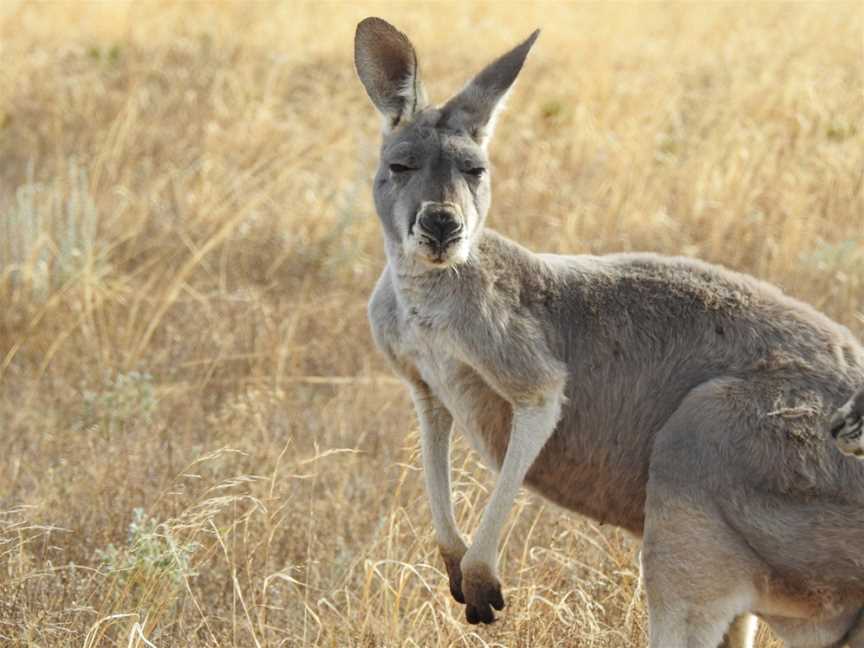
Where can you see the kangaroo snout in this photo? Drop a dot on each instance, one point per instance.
(440, 223)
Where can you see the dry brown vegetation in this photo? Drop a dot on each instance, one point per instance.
(200, 445)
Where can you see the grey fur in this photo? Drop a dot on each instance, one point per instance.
(682, 401)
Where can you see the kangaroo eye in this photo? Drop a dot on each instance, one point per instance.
(475, 171)
(401, 168)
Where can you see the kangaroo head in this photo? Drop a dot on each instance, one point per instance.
(432, 189)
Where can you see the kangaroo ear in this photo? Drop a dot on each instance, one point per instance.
(476, 107)
(387, 65)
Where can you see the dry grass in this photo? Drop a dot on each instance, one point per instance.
(187, 242)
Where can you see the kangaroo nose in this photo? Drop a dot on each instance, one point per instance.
(440, 224)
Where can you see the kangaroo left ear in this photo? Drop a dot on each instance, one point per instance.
(476, 107)
(387, 65)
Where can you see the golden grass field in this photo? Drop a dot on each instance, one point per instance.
(199, 444)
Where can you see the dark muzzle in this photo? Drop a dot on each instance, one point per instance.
(442, 225)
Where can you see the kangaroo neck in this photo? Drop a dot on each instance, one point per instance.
(419, 285)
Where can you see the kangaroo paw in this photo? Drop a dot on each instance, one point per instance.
(482, 593)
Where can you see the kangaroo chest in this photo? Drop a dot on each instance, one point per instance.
(574, 470)
(479, 412)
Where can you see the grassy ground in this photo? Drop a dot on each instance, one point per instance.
(199, 444)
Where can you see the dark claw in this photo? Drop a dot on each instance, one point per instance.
(471, 615)
(454, 575)
(456, 591)
(497, 599)
(475, 615)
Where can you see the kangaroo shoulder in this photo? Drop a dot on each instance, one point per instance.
(383, 312)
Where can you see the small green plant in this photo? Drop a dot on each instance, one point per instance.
(49, 233)
(552, 109)
(111, 54)
(840, 129)
(842, 254)
(151, 551)
(123, 399)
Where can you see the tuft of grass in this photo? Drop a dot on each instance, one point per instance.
(120, 400)
(151, 549)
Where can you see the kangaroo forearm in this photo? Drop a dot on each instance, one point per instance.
(435, 430)
(532, 427)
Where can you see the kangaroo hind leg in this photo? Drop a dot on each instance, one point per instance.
(698, 580)
(699, 572)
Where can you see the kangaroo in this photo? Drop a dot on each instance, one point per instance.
(847, 426)
(679, 400)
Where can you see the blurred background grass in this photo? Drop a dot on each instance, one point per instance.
(200, 445)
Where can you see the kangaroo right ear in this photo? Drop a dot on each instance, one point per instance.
(387, 65)
(476, 108)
